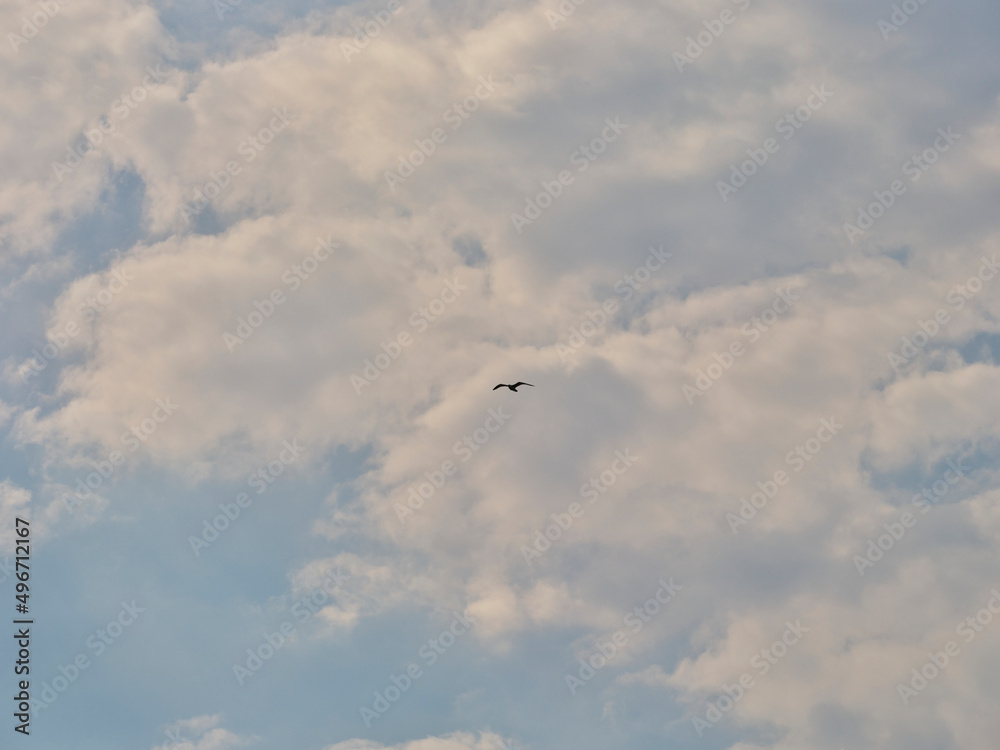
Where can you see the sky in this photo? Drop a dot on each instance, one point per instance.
(262, 265)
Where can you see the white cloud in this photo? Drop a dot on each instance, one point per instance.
(456, 741)
(201, 733)
(323, 176)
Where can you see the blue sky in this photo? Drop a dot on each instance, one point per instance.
(746, 252)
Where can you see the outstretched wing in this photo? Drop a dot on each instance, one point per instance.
(522, 383)
(500, 386)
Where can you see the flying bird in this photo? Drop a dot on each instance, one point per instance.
(513, 387)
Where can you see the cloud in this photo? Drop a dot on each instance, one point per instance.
(201, 733)
(48, 82)
(437, 258)
(456, 741)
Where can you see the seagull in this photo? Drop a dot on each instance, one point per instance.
(513, 387)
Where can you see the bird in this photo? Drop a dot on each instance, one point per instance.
(513, 387)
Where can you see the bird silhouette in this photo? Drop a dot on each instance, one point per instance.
(513, 387)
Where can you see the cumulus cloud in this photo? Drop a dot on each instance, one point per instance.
(201, 733)
(328, 253)
(456, 741)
